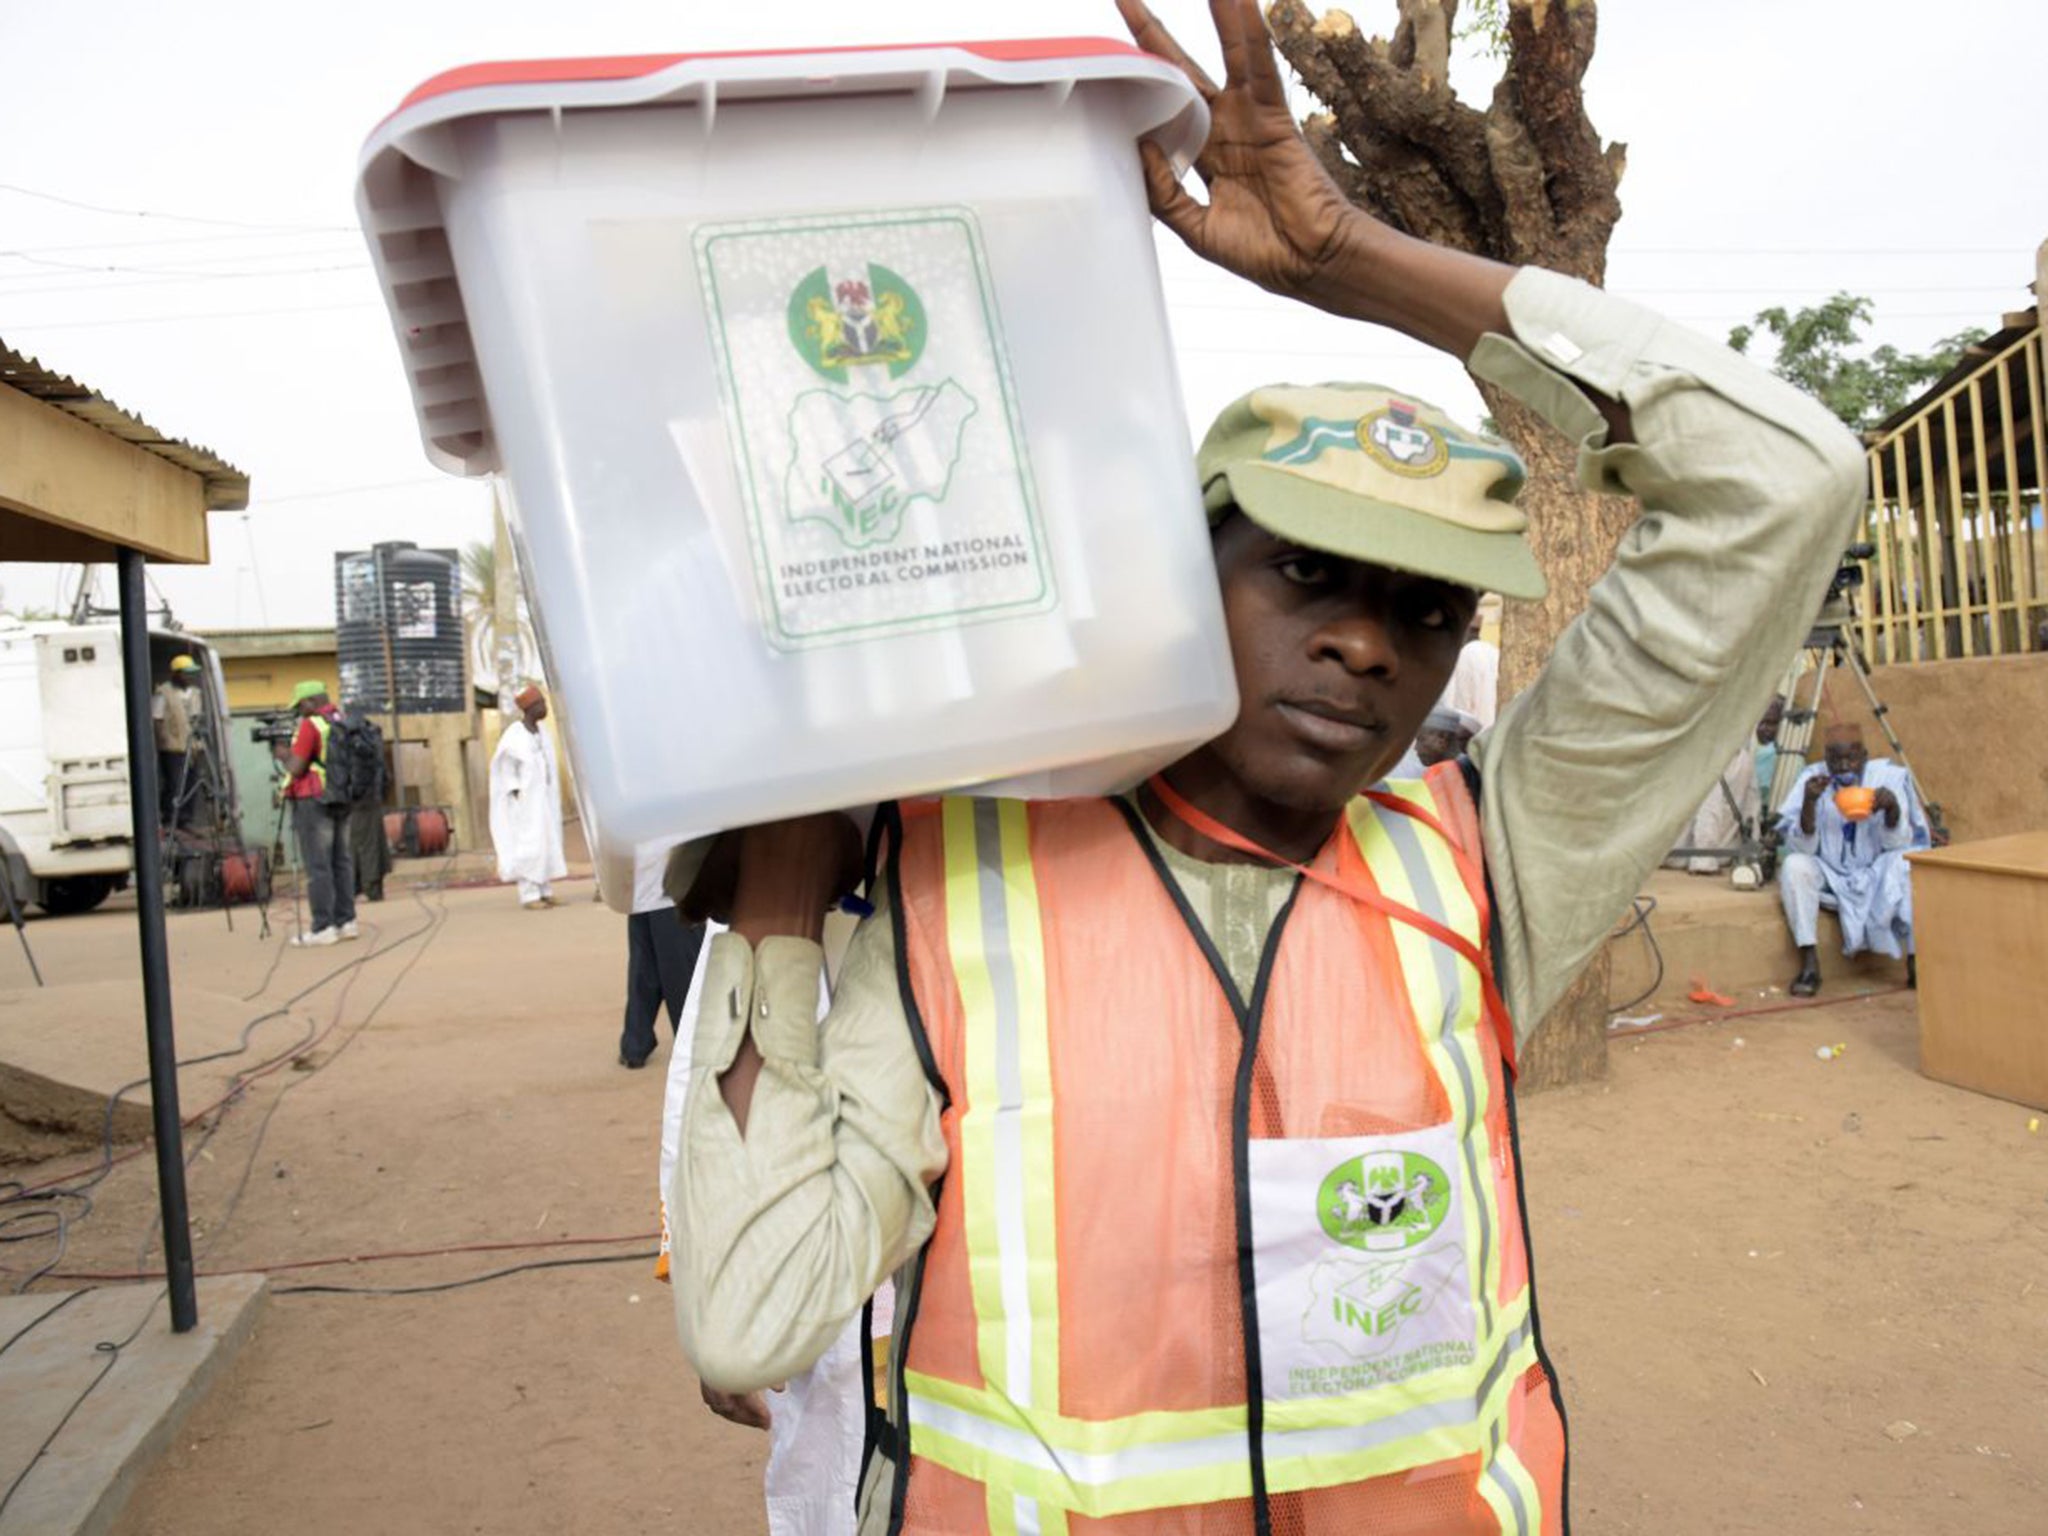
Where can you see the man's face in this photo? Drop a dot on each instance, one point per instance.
(1845, 759)
(311, 706)
(536, 712)
(1767, 728)
(1434, 746)
(1337, 663)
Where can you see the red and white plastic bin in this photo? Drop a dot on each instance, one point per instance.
(832, 392)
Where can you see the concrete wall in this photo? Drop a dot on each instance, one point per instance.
(1977, 734)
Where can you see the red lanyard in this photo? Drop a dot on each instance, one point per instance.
(1366, 896)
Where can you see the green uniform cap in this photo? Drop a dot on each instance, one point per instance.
(1359, 471)
(306, 690)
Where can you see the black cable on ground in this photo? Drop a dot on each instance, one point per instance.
(430, 928)
(1644, 905)
(15, 1192)
(458, 1285)
(40, 1318)
(113, 1353)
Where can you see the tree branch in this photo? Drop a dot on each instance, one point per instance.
(1550, 43)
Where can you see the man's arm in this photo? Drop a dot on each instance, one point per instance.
(794, 1199)
(1749, 492)
(305, 748)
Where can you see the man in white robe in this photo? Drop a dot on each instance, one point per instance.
(1719, 821)
(815, 1421)
(526, 804)
(1474, 688)
(1854, 864)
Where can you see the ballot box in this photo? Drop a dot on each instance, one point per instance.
(838, 426)
(1980, 915)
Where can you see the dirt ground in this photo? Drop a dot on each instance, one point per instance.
(1785, 1295)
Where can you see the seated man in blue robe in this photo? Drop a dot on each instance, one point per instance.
(1846, 851)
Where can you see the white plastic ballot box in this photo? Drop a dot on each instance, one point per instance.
(838, 424)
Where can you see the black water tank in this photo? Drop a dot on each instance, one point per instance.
(416, 595)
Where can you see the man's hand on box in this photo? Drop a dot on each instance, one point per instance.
(747, 1409)
(779, 878)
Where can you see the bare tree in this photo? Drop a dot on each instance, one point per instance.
(1527, 181)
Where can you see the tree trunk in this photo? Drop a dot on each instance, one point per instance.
(1525, 181)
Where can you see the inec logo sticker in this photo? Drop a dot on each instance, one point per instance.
(1384, 1202)
(1396, 439)
(868, 318)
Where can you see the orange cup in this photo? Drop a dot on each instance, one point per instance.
(1856, 801)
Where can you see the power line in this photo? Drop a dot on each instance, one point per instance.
(321, 230)
(171, 319)
(185, 272)
(157, 213)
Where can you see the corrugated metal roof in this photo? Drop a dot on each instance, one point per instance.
(227, 488)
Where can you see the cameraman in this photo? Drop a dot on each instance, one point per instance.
(321, 829)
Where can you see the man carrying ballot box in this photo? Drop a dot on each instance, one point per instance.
(1185, 1121)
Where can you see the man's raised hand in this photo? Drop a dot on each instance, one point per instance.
(1275, 217)
(1273, 214)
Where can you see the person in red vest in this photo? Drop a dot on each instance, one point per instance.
(1185, 1120)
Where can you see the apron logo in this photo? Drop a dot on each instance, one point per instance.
(1395, 439)
(1384, 1202)
(868, 319)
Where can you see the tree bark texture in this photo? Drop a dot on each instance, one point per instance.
(1527, 181)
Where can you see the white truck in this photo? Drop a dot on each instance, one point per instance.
(66, 841)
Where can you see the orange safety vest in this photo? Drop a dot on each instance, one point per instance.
(1159, 1191)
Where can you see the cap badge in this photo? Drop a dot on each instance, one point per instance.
(1394, 438)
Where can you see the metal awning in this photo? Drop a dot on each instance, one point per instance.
(81, 478)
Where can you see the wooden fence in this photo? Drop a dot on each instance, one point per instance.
(1961, 561)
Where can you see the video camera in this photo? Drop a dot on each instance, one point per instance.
(277, 728)
(1849, 574)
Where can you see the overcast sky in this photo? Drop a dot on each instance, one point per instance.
(1779, 150)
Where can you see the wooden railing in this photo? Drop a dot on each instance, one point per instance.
(1961, 561)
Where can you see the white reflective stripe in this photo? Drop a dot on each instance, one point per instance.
(1019, 1443)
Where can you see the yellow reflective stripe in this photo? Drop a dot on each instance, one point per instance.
(1461, 915)
(1009, 1199)
(1491, 1489)
(1209, 1471)
(1093, 1437)
(977, 1122)
(1094, 1464)
(1508, 1470)
(1324, 1460)
(1038, 1195)
(1053, 1489)
(1455, 1066)
(1166, 1427)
